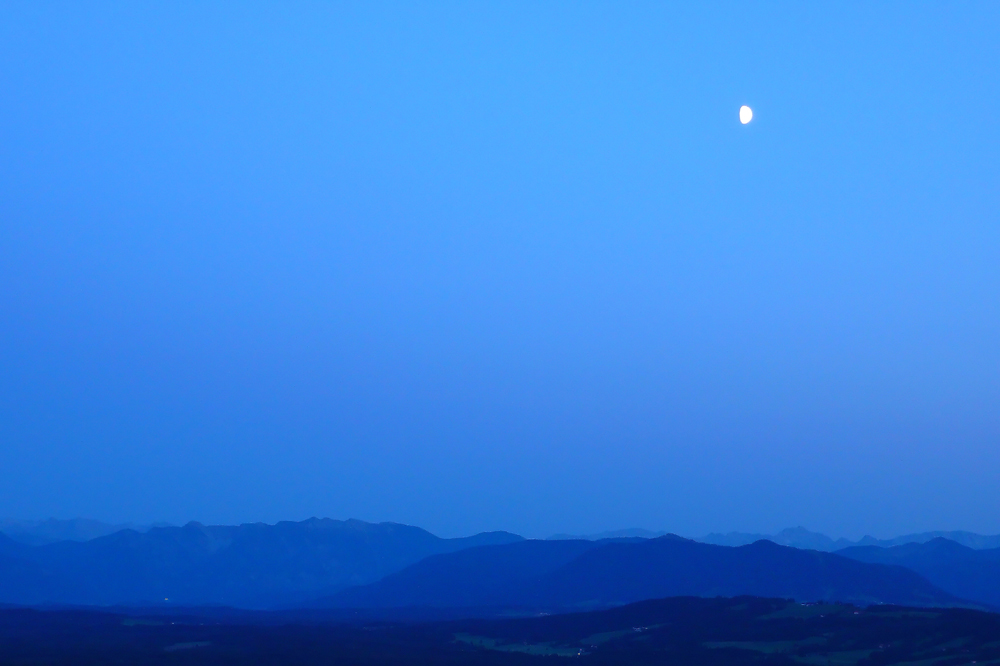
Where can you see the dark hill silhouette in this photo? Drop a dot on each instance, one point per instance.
(962, 571)
(26, 581)
(252, 565)
(486, 576)
(741, 631)
(8, 546)
(587, 574)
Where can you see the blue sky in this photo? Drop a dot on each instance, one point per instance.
(502, 265)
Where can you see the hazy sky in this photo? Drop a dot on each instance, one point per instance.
(502, 266)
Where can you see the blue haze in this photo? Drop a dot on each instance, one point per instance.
(502, 265)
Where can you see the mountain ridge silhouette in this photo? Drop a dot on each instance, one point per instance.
(966, 572)
(249, 565)
(578, 574)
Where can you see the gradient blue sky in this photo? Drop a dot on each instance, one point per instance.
(502, 266)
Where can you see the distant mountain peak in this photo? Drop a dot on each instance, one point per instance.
(800, 537)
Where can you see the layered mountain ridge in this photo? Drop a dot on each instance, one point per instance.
(966, 572)
(354, 564)
(800, 537)
(251, 565)
(576, 575)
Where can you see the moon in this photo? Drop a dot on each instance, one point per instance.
(746, 114)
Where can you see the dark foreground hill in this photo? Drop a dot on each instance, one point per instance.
(566, 575)
(727, 632)
(962, 571)
(253, 565)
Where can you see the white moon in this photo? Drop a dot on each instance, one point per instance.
(746, 114)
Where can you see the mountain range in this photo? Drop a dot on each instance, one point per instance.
(963, 571)
(251, 565)
(333, 564)
(39, 532)
(800, 537)
(577, 574)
